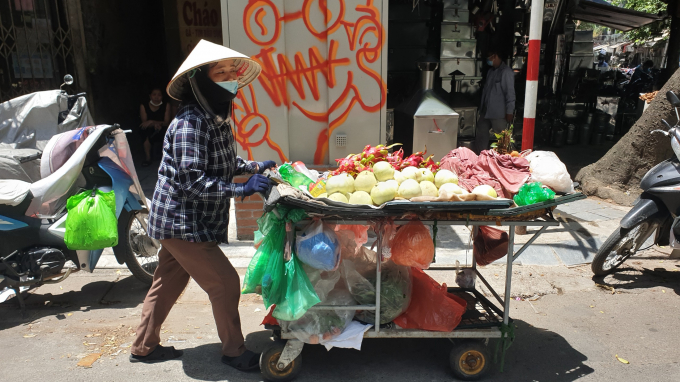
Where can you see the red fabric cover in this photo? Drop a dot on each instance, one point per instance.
(490, 245)
(502, 172)
(431, 307)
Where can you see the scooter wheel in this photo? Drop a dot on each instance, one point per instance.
(621, 244)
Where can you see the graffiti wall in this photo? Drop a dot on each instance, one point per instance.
(323, 64)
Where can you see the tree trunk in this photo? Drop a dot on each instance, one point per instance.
(617, 174)
(673, 52)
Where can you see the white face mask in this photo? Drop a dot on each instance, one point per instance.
(230, 86)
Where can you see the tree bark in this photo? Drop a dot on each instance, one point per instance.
(673, 52)
(617, 174)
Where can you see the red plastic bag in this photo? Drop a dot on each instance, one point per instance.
(431, 307)
(412, 246)
(269, 318)
(490, 245)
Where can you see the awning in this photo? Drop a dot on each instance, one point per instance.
(602, 13)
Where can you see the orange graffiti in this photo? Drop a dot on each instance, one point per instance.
(246, 126)
(278, 71)
(259, 15)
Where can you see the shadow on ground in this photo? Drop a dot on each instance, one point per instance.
(628, 278)
(537, 354)
(128, 292)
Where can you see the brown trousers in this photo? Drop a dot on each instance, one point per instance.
(207, 264)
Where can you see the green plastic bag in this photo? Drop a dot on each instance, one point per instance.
(274, 278)
(273, 228)
(299, 295)
(532, 193)
(91, 222)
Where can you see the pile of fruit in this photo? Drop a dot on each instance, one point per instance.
(375, 177)
(649, 97)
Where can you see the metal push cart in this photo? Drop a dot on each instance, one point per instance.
(483, 320)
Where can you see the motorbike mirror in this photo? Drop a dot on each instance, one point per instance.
(673, 99)
(68, 80)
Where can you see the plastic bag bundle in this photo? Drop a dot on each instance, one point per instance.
(431, 307)
(298, 296)
(413, 246)
(318, 247)
(549, 170)
(273, 230)
(395, 288)
(531, 193)
(322, 325)
(91, 222)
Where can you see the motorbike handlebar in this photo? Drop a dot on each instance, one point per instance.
(666, 123)
(111, 129)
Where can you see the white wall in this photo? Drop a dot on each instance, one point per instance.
(322, 75)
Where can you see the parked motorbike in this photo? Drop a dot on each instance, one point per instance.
(653, 212)
(33, 214)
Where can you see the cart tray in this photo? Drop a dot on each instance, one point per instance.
(471, 210)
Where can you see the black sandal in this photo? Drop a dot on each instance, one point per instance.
(159, 354)
(245, 362)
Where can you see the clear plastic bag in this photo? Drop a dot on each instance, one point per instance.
(323, 281)
(395, 287)
(322, 325)
(413, 246)
(465, 278)
(318, 247)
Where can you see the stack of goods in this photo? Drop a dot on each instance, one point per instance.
(376, 176)
(331, 266)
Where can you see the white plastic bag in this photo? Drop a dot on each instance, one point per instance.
(549, 170)
(318, 247)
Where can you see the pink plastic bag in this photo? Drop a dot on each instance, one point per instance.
(413, 246)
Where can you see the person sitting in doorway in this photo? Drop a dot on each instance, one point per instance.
(498, 100)
(155, 116)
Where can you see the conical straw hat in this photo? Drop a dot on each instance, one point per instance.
(207, 52)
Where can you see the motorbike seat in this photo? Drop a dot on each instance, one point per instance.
(13, 191)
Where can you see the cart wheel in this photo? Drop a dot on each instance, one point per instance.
(269, 360)
(469, 360)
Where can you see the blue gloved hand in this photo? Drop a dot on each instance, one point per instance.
(266, 165)
(256, 183)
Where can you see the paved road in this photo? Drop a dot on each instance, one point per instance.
(573, 332)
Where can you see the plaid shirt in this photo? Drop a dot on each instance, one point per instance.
(194, 188)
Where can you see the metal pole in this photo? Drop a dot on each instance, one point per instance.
(508, 274)
(535, 29)
(378, 280)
